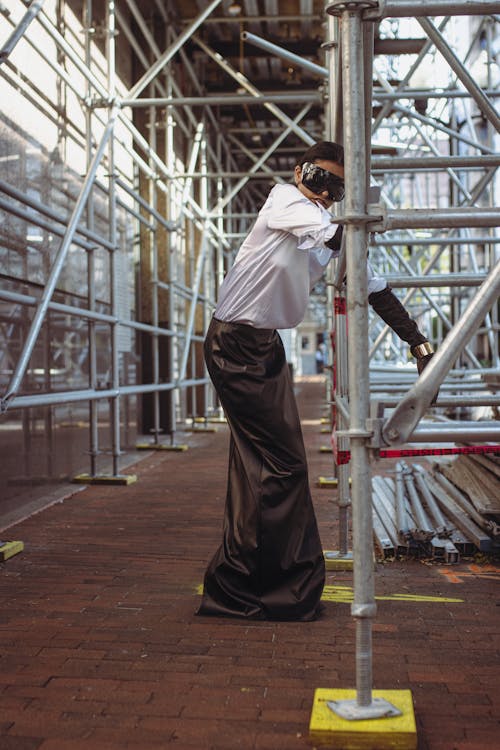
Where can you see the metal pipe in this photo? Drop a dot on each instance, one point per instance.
(435, 280)
(363, 608)
(439, 218)
(402, 520)
(408, 413)
(171, 51)
(32, 12)
(72, 55)
(93, 436)
(482, 101)
(25, 299)
(420, 480)
(221, 100)
(37, 221)
(437, 93)
(420, 163)
(465, 400)
(69, 397)
(170, 226)
(409, 9)
(423, 241)
(457, 432)
(27, 200)
(285, 54)
(57, 267)
(423, 526)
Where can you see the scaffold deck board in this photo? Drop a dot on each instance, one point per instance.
(483, 492)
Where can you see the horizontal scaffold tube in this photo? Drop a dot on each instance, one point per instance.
(69, 397)
(457, 432)
(409, 8)
(215, 100)
(430, 218)
(382, 164)
(435, 280)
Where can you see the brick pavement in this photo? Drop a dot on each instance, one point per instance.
(101, 648)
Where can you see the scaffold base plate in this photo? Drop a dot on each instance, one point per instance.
(104, 479)
(324, 482)
(338, 561)
(327, 482)
(9, 549)
(382, 733)
(161, 447)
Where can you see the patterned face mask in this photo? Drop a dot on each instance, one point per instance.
(318, 180)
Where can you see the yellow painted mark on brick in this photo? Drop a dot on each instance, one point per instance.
(396, 732)
(345, 595)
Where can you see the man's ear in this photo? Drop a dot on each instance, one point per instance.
(298, 174)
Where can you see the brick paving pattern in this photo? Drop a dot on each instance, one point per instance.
(101, 648)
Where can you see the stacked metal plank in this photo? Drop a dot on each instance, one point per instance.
(452, 509)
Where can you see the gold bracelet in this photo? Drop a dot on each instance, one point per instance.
(422, 350)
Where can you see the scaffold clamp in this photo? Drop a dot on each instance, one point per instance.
(339, 6)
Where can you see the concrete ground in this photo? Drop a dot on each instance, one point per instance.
(101, 648)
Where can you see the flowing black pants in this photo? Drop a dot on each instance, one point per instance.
(270, 564)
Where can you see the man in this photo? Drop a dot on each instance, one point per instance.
(270, 564)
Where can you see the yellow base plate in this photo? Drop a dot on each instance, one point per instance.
(329, 482)
(336, 561)
(102, 479)
(332, 731)
(9, 549)
(160, 447)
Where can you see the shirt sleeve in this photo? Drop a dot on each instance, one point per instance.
(318, 261)
(290, 211)
(375, 283)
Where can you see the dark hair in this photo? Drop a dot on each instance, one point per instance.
(327, 150)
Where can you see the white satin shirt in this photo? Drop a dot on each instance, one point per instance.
(278, 263)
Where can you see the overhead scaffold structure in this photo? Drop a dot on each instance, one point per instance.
(138, 140)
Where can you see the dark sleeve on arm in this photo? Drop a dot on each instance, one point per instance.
(334, 242)
(387, 305)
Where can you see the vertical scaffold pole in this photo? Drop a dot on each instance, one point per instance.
(363, 607)
(339, 710)
(113, 236)
(341, 558)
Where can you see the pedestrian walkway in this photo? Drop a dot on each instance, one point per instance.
(101, 648)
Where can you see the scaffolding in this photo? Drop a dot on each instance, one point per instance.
(123, 205)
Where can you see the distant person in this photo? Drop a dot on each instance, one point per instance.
(320, 361)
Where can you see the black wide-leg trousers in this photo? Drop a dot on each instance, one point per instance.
(270, 564)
